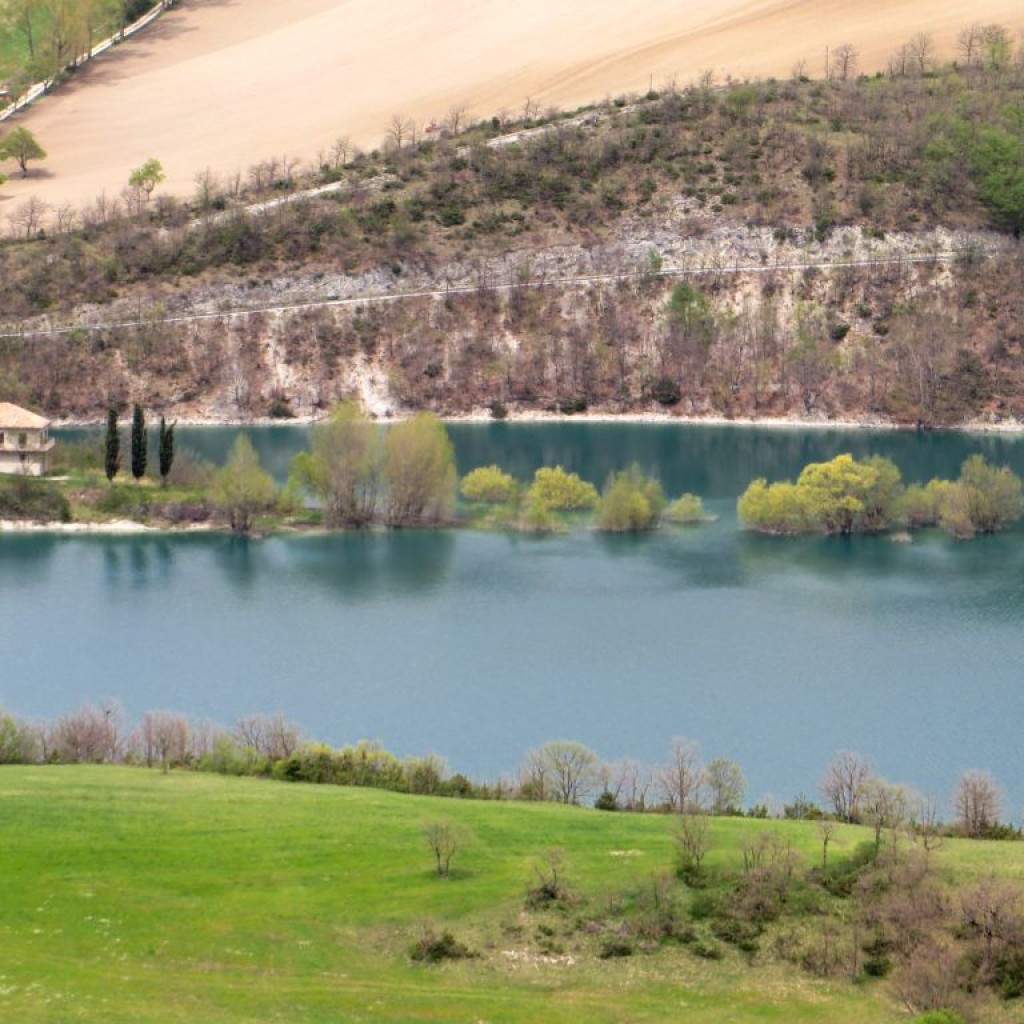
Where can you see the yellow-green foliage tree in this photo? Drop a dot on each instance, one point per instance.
(489, 485)
(559, 491)
(983, 500)
(419, 471)
(846, 496)
(841, 496)
(343, 468)
(242, 487)
(687, 508)
(630, 502)
(21, 146)
(779, 508)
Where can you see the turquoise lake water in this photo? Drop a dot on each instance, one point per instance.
(774, 652)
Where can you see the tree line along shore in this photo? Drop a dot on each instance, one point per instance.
(359, 474)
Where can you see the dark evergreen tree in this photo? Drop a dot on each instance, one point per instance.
(112, 446)
(139, 454)
(166, 450)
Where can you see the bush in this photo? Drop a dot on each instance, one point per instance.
(615, 946)
(432, 949)
(631, 502)
(26, 498)
(686, 509)
(606, 802)
(490, 485)
(666, 391)
(559, 491)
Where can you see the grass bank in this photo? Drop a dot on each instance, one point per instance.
(131, 895)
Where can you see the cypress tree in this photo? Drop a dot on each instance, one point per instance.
(112, 446)
(138, 442)
(166, 450)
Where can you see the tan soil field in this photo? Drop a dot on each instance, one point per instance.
(226, 83)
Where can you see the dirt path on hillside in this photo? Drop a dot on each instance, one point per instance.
(226, 83)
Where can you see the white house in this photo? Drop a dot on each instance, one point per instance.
(25, 444)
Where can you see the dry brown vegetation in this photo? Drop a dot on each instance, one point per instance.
(728, 230)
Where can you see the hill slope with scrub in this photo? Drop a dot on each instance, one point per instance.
(149, 896)
(825, 249)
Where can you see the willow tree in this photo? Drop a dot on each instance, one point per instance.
(343, 468)
(419, 471)
(242, 487)
(631, 502)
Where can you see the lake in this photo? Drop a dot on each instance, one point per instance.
(773, 652)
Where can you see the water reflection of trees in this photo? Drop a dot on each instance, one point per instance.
(25, 557)
(715, 461)
(359, 565)
(978, 578)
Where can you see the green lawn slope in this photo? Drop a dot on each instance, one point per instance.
(131, 895)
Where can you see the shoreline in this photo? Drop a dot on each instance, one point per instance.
(117, 527)
(482, 417)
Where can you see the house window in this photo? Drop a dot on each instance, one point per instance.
(23, 440)
(1, 439)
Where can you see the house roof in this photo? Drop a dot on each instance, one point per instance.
(13, 417)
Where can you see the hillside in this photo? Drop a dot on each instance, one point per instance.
(139, 896)
(842, 249)
(219, 86)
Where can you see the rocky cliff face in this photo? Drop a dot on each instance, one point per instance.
(689, 315)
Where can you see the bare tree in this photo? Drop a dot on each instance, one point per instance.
(884, 805)
(826, 830)
(456, 117)
(681, 780)
(976, 802)
(921, 47)
(843, 783)
(28, 216)
(165, 738)
(207, 187)
(444, 839)
(628, 781)
(692, 843)
(270, 736)
(928, 825)
(900, 61)
(90, 734)
(991, 911)
(550, 871)
(340, 149)
(561, 770)
(399, 129)
(844, 61)
(969, 44)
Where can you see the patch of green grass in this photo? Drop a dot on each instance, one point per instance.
(131, 895)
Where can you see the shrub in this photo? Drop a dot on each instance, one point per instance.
(559, 491)
(631, 502)
(490, 485)
(26, 498)
(686, 509)
(615, 946)
(665, 391)
(431, 948)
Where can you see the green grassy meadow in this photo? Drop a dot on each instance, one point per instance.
(131, 895)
